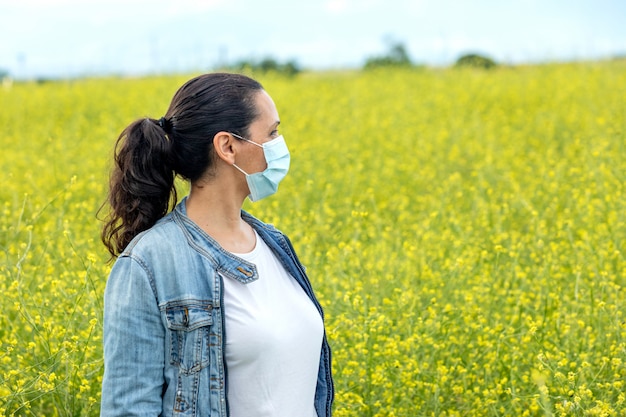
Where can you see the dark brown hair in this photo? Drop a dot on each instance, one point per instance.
(149, 153)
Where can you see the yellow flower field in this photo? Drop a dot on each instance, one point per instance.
(465, 231)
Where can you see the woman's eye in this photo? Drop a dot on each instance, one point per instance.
(274, 133)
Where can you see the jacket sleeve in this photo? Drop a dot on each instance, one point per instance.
(133, 343)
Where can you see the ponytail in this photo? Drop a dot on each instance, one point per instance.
(141, 188)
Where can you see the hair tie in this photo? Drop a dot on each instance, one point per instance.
(163, 122)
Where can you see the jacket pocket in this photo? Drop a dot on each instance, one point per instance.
(189, 323)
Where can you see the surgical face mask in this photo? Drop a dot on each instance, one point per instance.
(265, 183)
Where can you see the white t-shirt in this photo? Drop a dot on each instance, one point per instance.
(273, 342)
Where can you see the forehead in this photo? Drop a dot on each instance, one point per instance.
(266, 107)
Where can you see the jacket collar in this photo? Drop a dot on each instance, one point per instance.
(226, 263)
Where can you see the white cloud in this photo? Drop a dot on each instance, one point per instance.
(354, 6)
(194, 5)
(336, 6)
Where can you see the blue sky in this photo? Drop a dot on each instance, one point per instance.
(59, 38)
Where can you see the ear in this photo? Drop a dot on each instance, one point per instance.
(224, 145)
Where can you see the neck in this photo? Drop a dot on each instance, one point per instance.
(217, 210)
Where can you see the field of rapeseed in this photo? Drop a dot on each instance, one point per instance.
(465, 231)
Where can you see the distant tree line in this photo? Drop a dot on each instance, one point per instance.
(397, 56)
(475, 61)
(289, 68)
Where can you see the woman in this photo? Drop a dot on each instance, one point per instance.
(208, 311)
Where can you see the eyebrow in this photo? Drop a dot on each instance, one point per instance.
(275, 125)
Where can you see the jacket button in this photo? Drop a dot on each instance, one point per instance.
(243, 271)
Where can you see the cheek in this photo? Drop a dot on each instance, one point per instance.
(255, 161)
(261, 164)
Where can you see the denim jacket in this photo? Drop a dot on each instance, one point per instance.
(164, 332)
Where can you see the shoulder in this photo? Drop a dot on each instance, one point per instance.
(153, 249)
(154, 242)
(163, 259)
(163, 235)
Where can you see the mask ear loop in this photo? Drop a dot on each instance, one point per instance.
(240, 170)
(247, 140)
